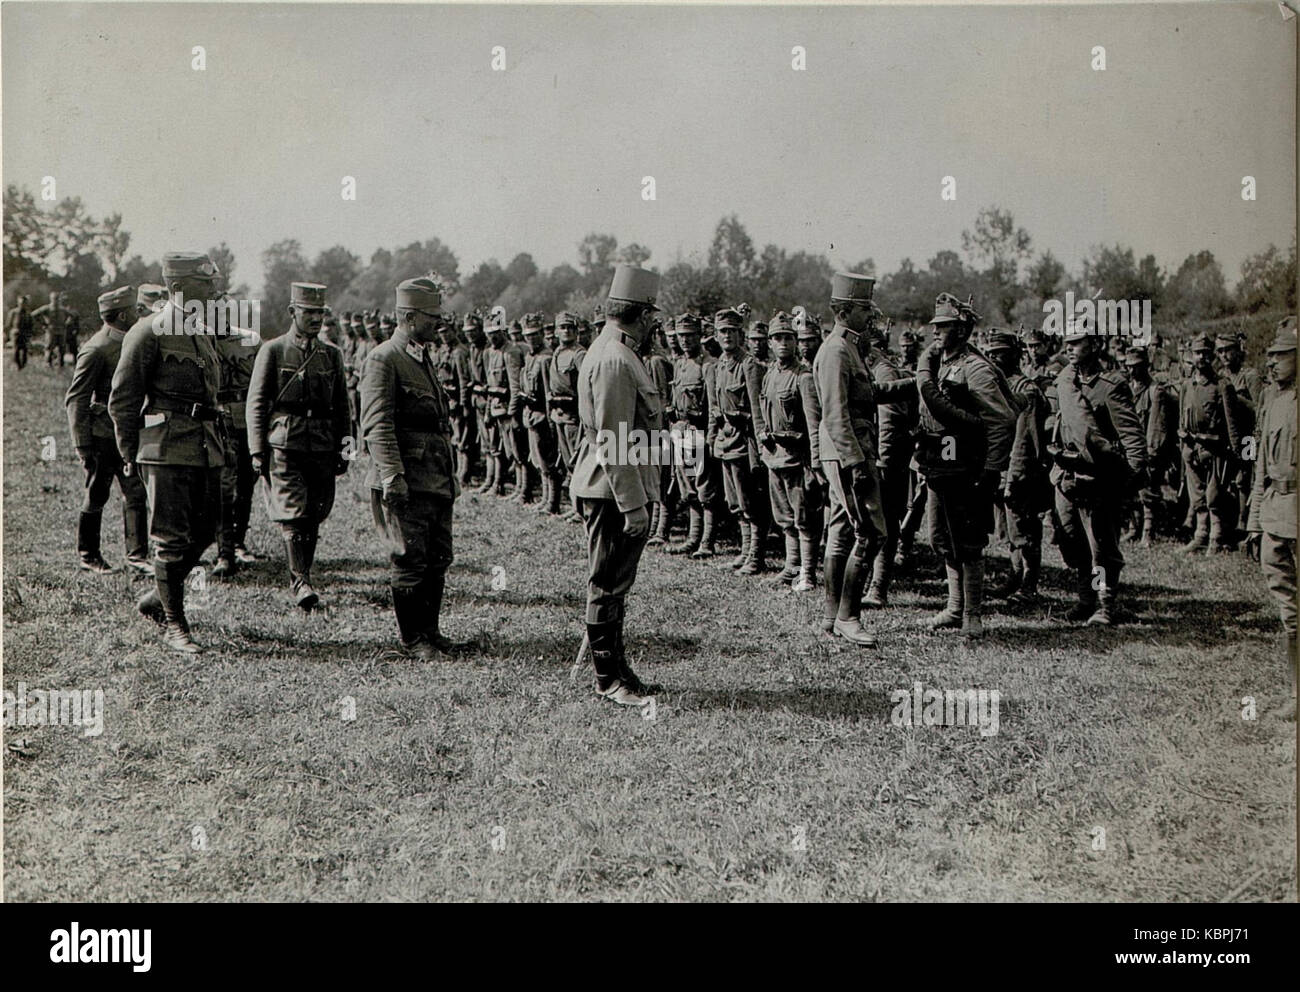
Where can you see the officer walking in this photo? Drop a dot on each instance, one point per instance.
(297, 420)
(612, 492)
(412, 477)
(92, 435)
(163, 405)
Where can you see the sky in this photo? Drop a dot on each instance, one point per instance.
(845, 158)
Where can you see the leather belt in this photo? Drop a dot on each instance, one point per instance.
(1283, 487)
(303, 410)
(198, 411)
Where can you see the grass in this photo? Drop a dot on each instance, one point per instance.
(233, 776)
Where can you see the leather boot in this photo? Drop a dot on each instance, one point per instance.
(755, 562)
(135, 536)
(791, 570)
(694, 530)
(1028, 592)
(878, 591)
(88, 557)
(433, 590)
(807, 580)
(950, 616)
(1107, 613)
(409, 606)
(705, 548)
(499, 482)
(553, 496)
(1199, 535)
(848, 617)
(171, 593)
(1014, 578)
(1087, 604)
(150, 604)
(1148, 526)
(489, 475)
(656, 511)
(746, 536)
(972, 590)
(297, 546)
(833, 583)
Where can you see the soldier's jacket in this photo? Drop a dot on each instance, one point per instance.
(360, 350)
(788, 401)
(405, 419)
(1028, 460)
(514, 356)
(532, 388)
(1207, 414)
(501, 368)
(20, 322)
(971, 402)
(1272, 492)
(730, 415)
(614, 389)
(896, 418)
(478, 379)
(753, 370)
(690, 405)
(53, 316)
(847, 396)
(562, 381)
(452, 367)
(238, 350)
(1249, 389)
(297, 400)
(1157, 412)
(164, 395)
(1099, 430)
(660, 368)
(92, 381)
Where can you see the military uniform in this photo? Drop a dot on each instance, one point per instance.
(533, 411)
(1273, 491)
(297, 420)
(615, 394)
(92, 436)
(1211, 444)
(20, 327)
(1157, 413)
(451, 363)
(695, 474)
(238, 349)
(412, 480)
(660, 369)
(163, 405)
(896, 426)
(562, 378)
(1249, 390)
(55, 317)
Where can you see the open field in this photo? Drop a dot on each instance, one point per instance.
(772, 770)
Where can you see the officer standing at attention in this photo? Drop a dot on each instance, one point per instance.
(616, 398)
(1272, 521)
(164, 409)
(412, 478)
(297, 420)
(92, 435)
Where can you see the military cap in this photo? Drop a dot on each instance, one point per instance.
(421, 293)
(565, 318)
(497, 319)
(781, 324)
(757, 329)
(310, 295)
(472, 320)
(847, 287)
(115, 299)
(947, 308)
(188, 265)
(908, 336)
(387, 320)
(632, 284)
(1201, 342)
(999, 339)
(727, 318)
(1136, 356)
(1285, 340)
(744, 309)
(688, 323)
(150, 294)
(597, 315)
(1036, 336)
(532, 322)
(1226, 341)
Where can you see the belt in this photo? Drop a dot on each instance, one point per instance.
(303, 410)
(230, 395)
(1283, 487)
(97, 407)
(198, 411)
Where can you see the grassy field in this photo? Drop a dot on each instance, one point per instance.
(771, 771)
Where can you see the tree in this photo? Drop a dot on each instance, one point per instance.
(634, 254)
(521, 269)
(732, 252)
(112, 244)
(224, 259)
(335, 268)
(1000, 247)
(484, 285)
(699, 290)
(282, 264)
(431, 257)
(1044, 277)
(596, 254)
(1197, 290)
(1268, 281)
(867, 267)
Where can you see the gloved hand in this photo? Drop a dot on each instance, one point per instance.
(396, 492)
(931, 356)
(636, 522)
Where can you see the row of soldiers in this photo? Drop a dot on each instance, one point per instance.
(61, 326)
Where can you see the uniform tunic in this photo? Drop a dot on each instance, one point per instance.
(1273, 500)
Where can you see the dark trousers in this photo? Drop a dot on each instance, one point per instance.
(184, 508)
(20, 350)
(418, 537)
(857, 521)
(53, 347)
(300, 489)
(961, 517)
(237, 483)
(107, 466)
(612, 559)
(796, 504)
(1088, 536)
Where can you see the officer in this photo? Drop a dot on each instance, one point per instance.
(92, 435)
(1249, 389)
(1211, 440)
(613, 489)
(789, 404)
(238, 348)
(297, 421)
(967, 427)
(412, 476)
(55, 317)
(695, 472)
(1099, 450)
(1157, 413)
(1272, 521)
(1026, 489)
(562, 380)
(533, 412)
(163, 405)
(20, 326)
(498, 361)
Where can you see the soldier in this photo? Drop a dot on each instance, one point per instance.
(589, 329)
(1211, 439)
(533, 411)
(55, 317)
(1272, 520)
(660, 369)
(514, 436)
(967, 427)
(473, 328)
(238, 348)
(611, 491)
(562, 395)
(20, 325)
(92, 436)
(909, 348)
(362, 345)
(457, 380)
(1157, 413)
(549, 339)
(412, 477)
(387, 325)
(695, 474)
(1026, 489)
(730, 437)
(497, 361)
(789, 403)
(72, 333)
(297, 421)
(1249, 389)
(164, 409)
(1099, 450)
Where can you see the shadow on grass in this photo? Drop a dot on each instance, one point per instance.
(873, 705)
